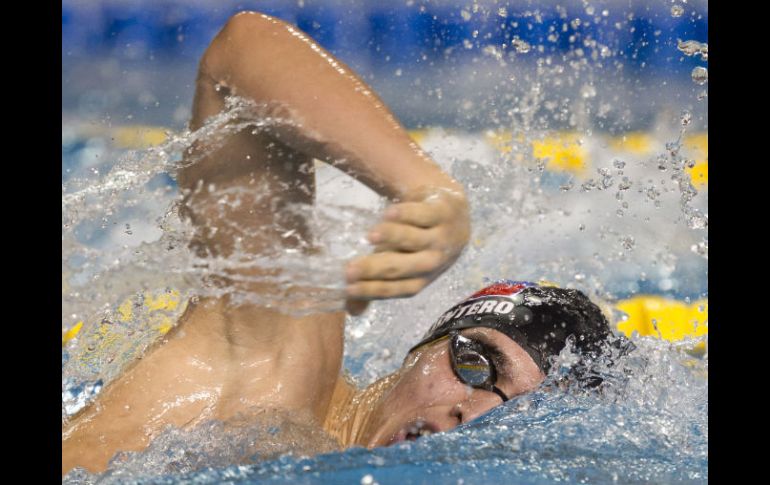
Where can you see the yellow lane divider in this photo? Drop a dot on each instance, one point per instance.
(637, 143)
(697, 146)
(159, 312)
(648, 315)
(562, 151)
(71, 333)
(664, 318)
(138, 136)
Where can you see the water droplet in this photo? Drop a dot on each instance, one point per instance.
(493, 51)
(587, 91)
(398, 72)
(590, 10)
(619, 164)
(673, 147)
(466, 15)
(521, 46)
(700, 75)
(588, 185)
(693, 48)
(582, 227)
(702, 249)
(677, 10)
(627, 242)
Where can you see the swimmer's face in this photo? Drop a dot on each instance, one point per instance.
(428, 397)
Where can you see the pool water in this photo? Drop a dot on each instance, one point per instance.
(578, 172)
(638, 431)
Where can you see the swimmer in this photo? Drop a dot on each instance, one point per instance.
(489, 348)
(224, 359)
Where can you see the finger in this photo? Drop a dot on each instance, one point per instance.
(390, 236)
(420, 214)
(356, 307)
(373, 290)
(393, 265)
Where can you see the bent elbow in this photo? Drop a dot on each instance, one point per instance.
(245, 31)
(246, 23)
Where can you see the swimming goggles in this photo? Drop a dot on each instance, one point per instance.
(472, 364)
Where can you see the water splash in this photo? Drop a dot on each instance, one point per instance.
(122, 192)
(525, 226)
(634, 428)
(106, 260)
(694, 48)
(700, 75)
(521, 46)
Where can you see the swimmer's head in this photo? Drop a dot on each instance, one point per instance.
(538, 318)
(491, 347)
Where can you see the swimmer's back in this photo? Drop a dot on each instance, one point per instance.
(217, 362)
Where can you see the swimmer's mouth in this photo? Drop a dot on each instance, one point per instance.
(414, 431)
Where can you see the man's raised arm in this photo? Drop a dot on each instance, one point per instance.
(335, 117)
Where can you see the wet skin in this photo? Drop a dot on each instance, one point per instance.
(223, 359)
(427, 397)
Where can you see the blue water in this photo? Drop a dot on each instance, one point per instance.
(649, 425)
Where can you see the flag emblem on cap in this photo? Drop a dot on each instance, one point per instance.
(505, 287)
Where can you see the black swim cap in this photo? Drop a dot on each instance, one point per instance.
(538, 318)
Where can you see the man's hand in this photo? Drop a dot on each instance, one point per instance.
(416, 242)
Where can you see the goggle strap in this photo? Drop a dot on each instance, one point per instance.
(500, 393)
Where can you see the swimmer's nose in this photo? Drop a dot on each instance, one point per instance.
(473, 407)
(457, 413)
